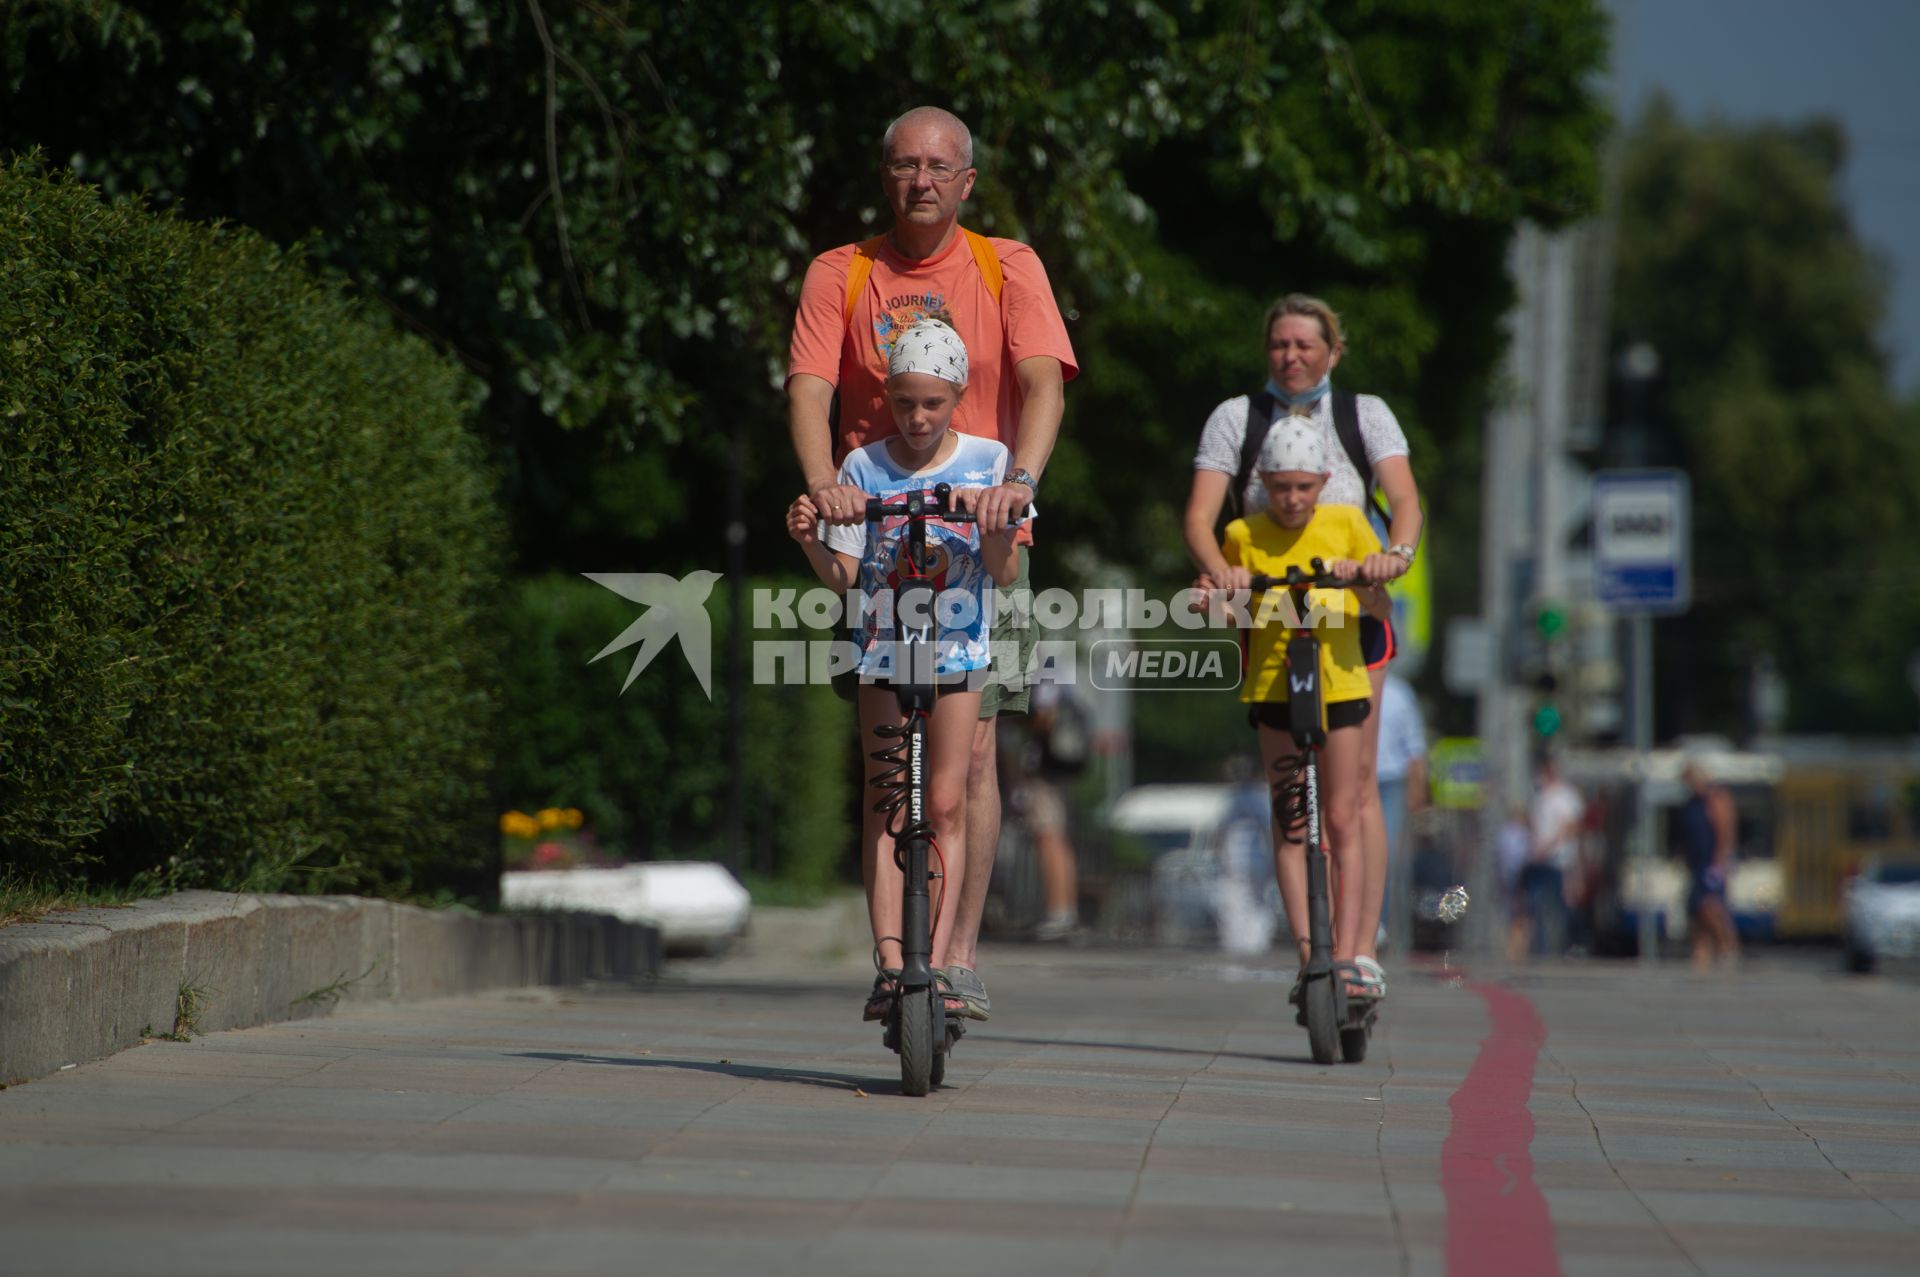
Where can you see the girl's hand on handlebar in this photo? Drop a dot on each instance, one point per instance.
(1347, 569)
(803, 521)
(1200, 597)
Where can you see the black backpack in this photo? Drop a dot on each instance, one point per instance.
(1346, 424)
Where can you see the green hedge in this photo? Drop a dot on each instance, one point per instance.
(252, 555)
(649, 766)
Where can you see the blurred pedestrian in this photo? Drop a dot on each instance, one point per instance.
(1709, 833)
(1401, 766)
(855, 300)
(1555, 817)
(1062, 744)
(1513, 847)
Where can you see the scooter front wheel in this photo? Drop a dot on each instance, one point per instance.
(917, 1047)
(1323, 1030)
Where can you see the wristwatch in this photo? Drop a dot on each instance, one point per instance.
(1023, 476)
(1404, 551)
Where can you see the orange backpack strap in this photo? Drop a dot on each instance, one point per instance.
(859, 269)
(987, 260)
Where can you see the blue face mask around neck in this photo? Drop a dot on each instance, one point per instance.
(1310, 395)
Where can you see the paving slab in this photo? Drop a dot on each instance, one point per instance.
(1126, 1112)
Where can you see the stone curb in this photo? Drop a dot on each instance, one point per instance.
(90, 982)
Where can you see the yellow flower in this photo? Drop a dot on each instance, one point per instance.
(517, 824)
(575, 817)
(550, 817)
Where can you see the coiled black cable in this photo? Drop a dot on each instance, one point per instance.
(1290, 796)
(895, 785)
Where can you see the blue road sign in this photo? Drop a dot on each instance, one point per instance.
(1642, 541)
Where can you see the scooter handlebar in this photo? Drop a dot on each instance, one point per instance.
(917, 505)
(1295, 579)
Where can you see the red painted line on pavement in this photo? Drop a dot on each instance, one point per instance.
(1497, 1220)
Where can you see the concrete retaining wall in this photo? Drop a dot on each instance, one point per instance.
(83, 984)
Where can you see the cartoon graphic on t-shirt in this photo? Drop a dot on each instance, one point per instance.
(939, 558)
(959, 582)
(963, 591)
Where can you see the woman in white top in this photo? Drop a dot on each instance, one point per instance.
(1304, 345)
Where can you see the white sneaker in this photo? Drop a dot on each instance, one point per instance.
(1057, 926)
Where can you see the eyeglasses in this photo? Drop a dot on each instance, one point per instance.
(906, 171)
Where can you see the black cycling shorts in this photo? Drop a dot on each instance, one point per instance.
(1339, 714)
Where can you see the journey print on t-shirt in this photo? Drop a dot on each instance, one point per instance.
(899, 313)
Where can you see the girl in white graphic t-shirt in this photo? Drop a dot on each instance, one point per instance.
(927, 377)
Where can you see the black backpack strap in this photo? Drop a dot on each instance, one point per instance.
(1259, 421)
(1346, 424)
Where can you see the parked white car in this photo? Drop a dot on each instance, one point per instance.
(1880, 913)
(1212, 860)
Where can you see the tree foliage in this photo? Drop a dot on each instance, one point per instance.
(1739, 265)
(249, 544)
(604, 208)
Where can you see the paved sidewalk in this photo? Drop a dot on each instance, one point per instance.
(1126, 1112)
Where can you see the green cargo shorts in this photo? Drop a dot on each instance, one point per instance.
(1015, 630)
(1009, 693)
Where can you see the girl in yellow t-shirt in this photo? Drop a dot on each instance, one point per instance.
(1291, 532)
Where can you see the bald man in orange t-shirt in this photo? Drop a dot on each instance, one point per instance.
(1019, 359)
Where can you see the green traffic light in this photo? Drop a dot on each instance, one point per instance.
(1550, 620)
(1546, 720)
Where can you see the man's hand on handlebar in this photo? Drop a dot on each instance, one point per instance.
(977, 501)
(1000, 507)
(839, 503)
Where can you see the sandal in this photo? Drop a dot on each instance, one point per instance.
(952, 1002)
(1359, 984)
(1376, 976)
(965, 983)
(886, 987)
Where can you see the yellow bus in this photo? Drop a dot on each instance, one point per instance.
(1836, 804)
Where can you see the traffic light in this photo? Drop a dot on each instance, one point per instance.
(1550, 623)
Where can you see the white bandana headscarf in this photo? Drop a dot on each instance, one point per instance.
(1294, 443)
(933, 348)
